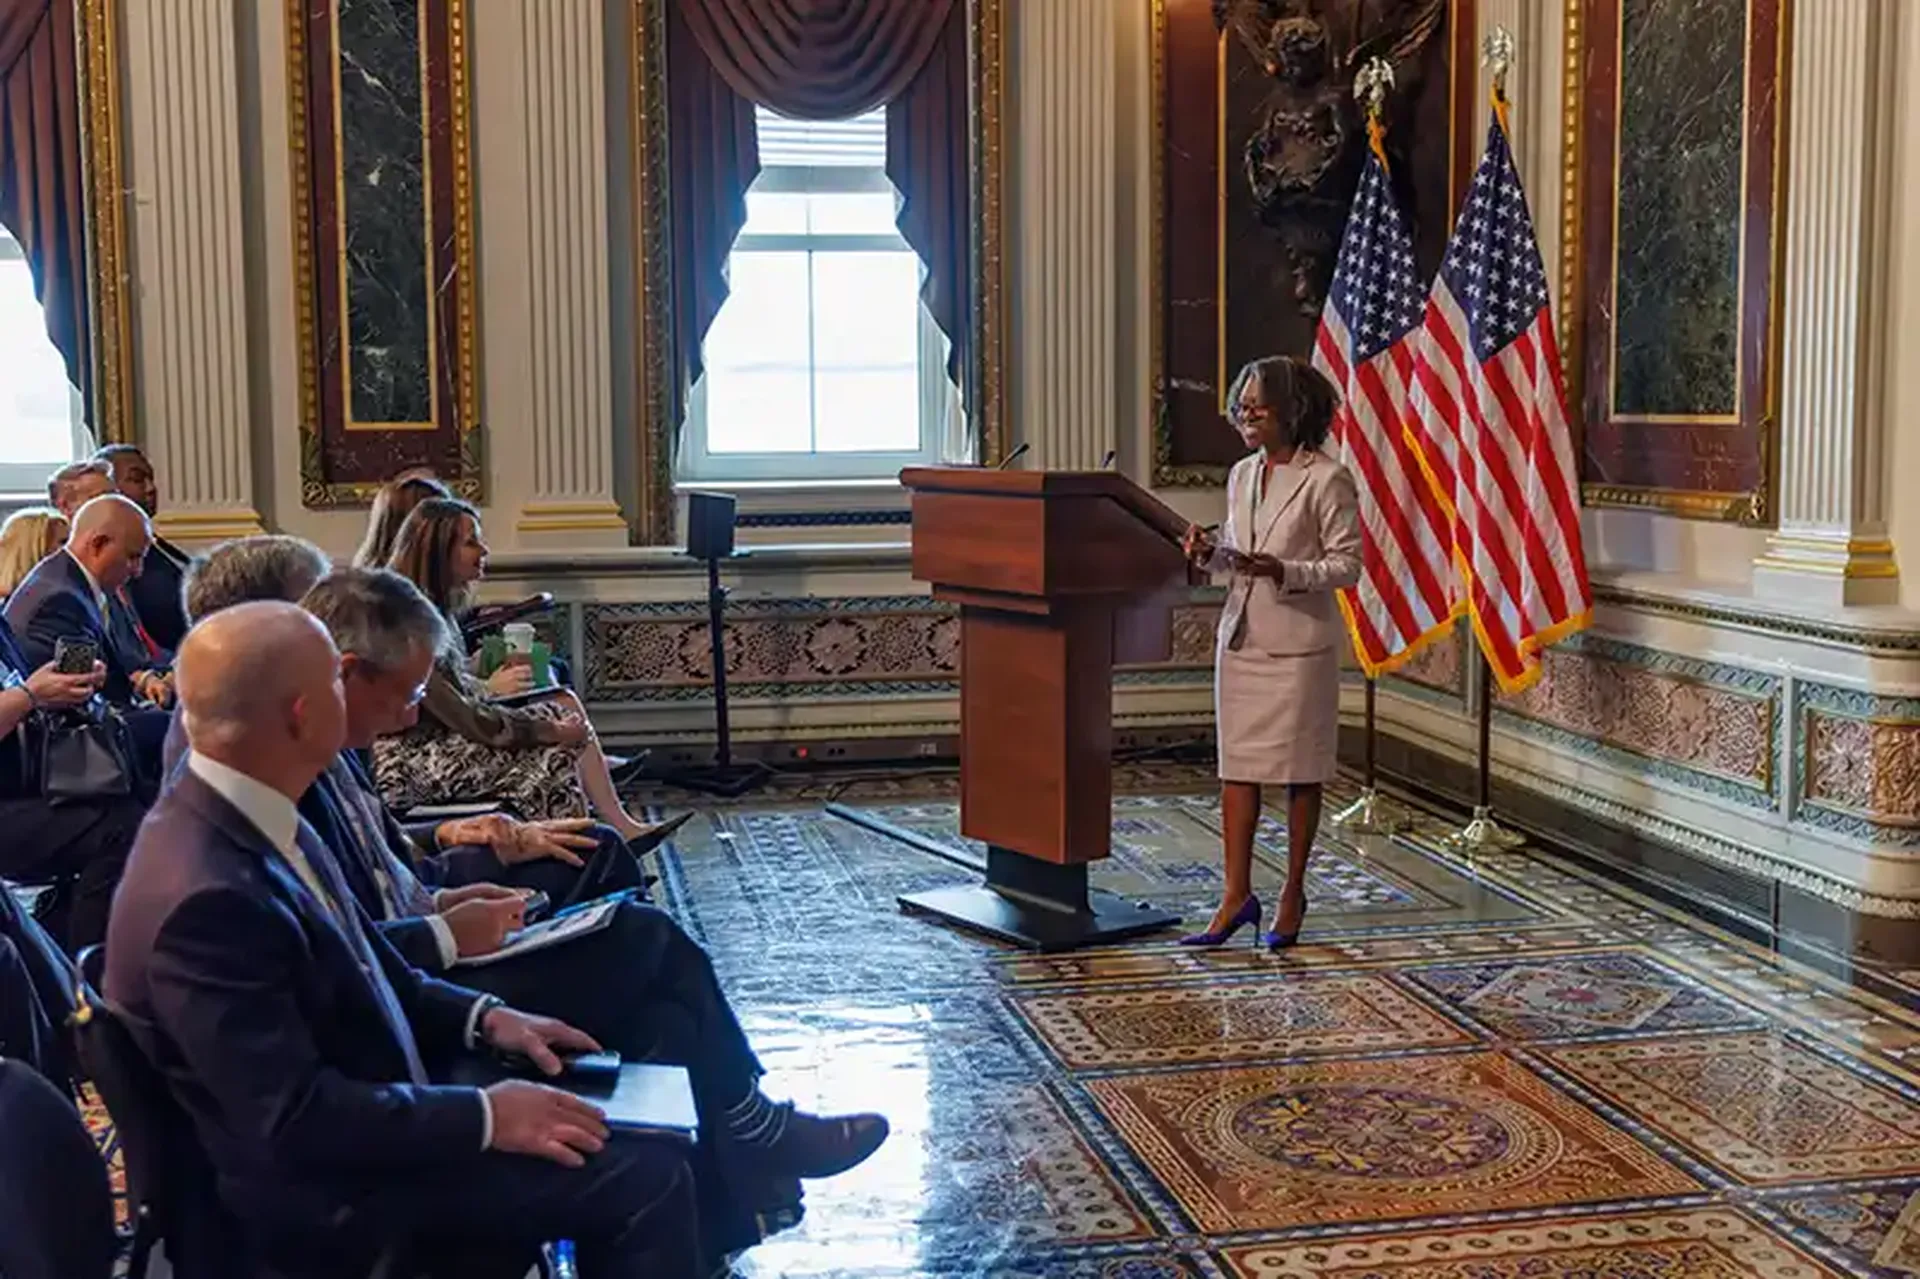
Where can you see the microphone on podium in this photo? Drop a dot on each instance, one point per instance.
(1106, 463)
(1013, 457)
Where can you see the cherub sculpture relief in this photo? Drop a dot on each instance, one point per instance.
(1303, 157)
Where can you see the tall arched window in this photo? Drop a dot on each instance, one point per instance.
(42, 423)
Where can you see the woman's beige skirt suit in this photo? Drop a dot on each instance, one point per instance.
(1277, 663)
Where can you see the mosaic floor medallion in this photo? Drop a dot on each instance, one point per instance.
(1301, 1014)
(1708, 1243)
(1580, 995)
(1762, 1107)
(1266, 1147)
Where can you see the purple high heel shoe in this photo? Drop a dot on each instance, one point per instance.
(1276, 941)
(1249, 913)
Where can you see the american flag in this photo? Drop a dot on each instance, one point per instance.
(1406, 589)
(1488, 416)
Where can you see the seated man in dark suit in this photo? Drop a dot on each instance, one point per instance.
(299, 1043)
(69, 595)
(562, 858)
(76, 846)
(665, 1003)
(155, 594)
(37, 984)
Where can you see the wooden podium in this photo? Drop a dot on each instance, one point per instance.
(1058, 575)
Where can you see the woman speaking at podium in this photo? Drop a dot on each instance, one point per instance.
(1290, 540)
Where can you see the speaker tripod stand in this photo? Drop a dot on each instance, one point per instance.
(711, 539)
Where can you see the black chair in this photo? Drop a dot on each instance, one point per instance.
(170, 1180)
(56, 1208)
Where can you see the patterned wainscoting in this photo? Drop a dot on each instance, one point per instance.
(1438, 672)
(1857, 769)
(1706, 725)
(790, 650)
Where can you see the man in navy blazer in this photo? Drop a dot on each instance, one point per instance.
(69, 595)
(155, 594)
(300, 1044)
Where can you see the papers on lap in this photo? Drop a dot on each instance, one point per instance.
(562, 928)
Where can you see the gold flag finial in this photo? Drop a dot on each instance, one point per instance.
(1497, 56)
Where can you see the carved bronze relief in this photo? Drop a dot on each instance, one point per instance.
(1259, 144)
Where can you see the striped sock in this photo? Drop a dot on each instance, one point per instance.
(756, 1121)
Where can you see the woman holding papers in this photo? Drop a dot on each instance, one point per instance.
(1291, 539)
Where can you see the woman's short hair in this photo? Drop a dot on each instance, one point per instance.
(423, 550)
(376, 615)
(1302, 399)
(268, 566)
(391, 506)
(24, 539)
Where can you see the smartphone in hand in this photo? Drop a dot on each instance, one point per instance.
(74, 656)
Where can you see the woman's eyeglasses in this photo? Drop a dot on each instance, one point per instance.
(1240, 414)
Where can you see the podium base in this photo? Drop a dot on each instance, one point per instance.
(1039, 906)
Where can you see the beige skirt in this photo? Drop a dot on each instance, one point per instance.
(1278, 717)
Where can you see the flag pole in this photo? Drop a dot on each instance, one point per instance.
(1484, 834)
(1372, 813)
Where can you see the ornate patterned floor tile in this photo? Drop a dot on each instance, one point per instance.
(1705, 1243)
(1760, 1106)
(1169, 961)
(1295, 1014)
(1266, 1147)
(1166, 850)
(1580, 995)
(1872, 1226)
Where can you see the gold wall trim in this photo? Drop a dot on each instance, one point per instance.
(1749, 508)
(986, 389)
(109, 318)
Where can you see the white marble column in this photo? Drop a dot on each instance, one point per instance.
(1832, 546)
(183, 129)
(568, 321)
(1063, 192)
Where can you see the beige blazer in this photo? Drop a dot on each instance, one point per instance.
(1309, 521)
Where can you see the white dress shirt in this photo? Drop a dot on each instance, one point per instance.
(278, 820)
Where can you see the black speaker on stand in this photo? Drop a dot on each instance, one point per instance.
(710, 538)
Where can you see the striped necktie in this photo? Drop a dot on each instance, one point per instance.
(339, 903)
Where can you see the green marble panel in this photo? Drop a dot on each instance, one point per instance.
(1677, 283)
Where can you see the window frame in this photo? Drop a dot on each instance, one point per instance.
(29, 479)
(699, 466)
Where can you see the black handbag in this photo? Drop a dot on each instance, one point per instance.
(84, 754)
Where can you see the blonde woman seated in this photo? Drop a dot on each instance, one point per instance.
(29, 536)
(540, 756)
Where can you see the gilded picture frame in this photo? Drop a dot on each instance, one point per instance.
(343, 462)
(1720, 466)
(986, 390)
(109, 300)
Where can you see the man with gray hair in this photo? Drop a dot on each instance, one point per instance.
(297, 1041)
(665, 1003)
(550, 856)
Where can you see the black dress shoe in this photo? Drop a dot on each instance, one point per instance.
(641, 845)
(627, 769)
(815, 1146)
